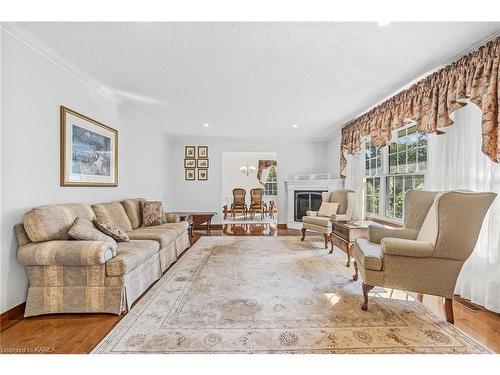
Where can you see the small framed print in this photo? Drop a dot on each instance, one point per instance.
(190, 152)
(202, 174)
(189, 174)
(203, 152)
(189, 163)
(202, 163)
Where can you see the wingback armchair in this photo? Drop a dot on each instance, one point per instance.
(426, 255)
(323, 224)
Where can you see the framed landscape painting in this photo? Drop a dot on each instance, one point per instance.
(89, 151)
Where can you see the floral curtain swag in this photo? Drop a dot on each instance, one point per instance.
(263, 165)
(431, 101)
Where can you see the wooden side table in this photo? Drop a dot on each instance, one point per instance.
(344, 233)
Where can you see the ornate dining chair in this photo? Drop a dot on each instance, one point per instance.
(426, 255)
(239, 204)
(256, 203)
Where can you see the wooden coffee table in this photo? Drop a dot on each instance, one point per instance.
(344, 234)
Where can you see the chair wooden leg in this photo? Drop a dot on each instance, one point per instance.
(448, 309)
(355, 276)
(326, 240)
(420, 297)
(303, 234)
(366, 289)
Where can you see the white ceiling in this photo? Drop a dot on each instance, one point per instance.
(256, 79)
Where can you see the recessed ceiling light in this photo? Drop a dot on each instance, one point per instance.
(295, 126)
(206, 125)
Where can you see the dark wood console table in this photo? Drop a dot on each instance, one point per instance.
(198, 218)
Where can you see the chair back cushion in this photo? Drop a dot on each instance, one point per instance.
(52, 222)
(113, 213)
(133, 210)
(328, 209)
(429, 228)
(340, 196)
(417, 205)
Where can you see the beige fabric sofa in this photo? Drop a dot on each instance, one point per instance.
(323, 224)
(426, 256)
(69, 276)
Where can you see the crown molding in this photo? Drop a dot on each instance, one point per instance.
(29, 40)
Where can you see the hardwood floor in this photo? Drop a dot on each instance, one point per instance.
(80, 333)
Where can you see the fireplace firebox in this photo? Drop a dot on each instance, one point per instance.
(306, 200)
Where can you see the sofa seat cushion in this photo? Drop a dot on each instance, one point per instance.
(317, 220)
(133, 209)
(165, 237)
(53, 222)
(368, 254)
(131, 255)
(179, 227)
(113, 213)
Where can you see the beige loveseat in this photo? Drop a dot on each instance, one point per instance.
(70, 276)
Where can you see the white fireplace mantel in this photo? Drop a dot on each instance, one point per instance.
(308, 185)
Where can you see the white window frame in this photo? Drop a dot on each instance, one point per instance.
(384, 154)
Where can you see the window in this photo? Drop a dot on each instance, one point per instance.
(402, 167)
(271, 186)
(373, 164)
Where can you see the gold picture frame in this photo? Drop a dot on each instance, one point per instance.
(202, 174)
(203, 152)
(190, 174)
(190, 152)
(88, 151)
(201, 163)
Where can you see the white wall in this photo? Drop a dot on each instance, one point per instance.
(233, 178)
(332, 150)
(32, 91)
(294, 157)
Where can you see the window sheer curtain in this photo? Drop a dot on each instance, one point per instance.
(455, 161)
(355, 174)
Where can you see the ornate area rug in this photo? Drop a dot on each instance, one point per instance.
(274, 295)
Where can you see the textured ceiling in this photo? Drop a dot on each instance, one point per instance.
(256, 79)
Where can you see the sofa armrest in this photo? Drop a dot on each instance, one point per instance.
(407, 248)
(172, 218)
(376, 233)
(311, 213)
(66, 253)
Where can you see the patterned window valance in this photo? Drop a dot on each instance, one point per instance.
(431, 101)
(263, 165)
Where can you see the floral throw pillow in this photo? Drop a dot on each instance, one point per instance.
(152, 213)
(111, 230)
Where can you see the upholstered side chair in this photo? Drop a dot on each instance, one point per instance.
(426, 255)
(323, 224)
